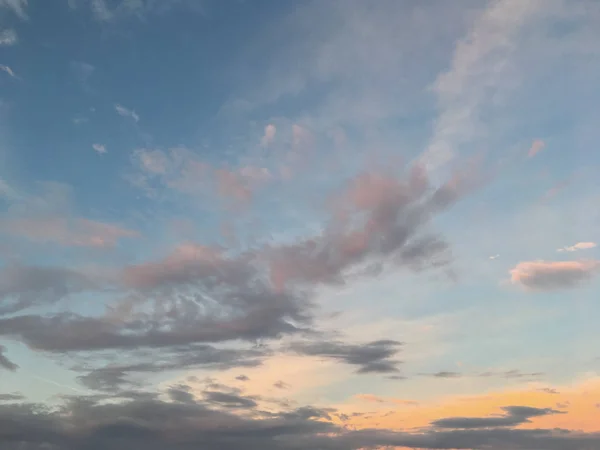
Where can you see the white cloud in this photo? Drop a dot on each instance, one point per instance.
(8, 70)
(269, 136)
(17, 6)
(125, 112)
(578, 246)
(479, 68)
(99, 148)
(494, 257)
(8, 37)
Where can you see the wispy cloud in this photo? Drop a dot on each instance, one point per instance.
(8, 70)
(578, 246)
(16, 6)
(125, 112)
(8, 37)
(479, 68)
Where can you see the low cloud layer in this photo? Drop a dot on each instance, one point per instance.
(143, 422)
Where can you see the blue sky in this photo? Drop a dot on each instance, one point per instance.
(375, 209)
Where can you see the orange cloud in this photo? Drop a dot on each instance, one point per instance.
(578, 402)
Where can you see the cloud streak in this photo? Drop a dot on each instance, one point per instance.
(552, 275)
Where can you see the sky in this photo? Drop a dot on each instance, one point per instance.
(293, 225)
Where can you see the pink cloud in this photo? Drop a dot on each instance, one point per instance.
(70, 232)
(269, 135)
(552, 275)
(186, 262)
(536, 147)
(578, 246)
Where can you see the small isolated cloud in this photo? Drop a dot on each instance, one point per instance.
(536, 147)
(125, 112)
(494, 256)
(8, 37)
(269, 135)
(578, 246)
(8, 70)
(552, 275)
(99, 148)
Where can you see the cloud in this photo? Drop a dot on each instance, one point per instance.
(8, 37)
(16, 6)
(515, 415)
(552, 275)
(142, 421)
(11, 397)
(229, 400)
(373, 357)
(536, 147)
(269, 135)
(134, 8)
(6, 363)
(23, 287)
(99, 148)
(578, 246)
(8, 70)
(125, 112)
(479, 70)
(76, 232)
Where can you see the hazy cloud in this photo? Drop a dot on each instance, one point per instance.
(8, 37)
(5, 362)
(536, 147)
(578, 246)
(125, 112)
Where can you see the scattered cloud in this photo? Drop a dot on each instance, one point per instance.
(8, 37)
(536, 147)
(494, 256)
(578, 246)
(99, 148)
(125, 112)
(551, 275)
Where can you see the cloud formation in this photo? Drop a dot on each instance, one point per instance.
(551, 275)
(578, 246)
(8, 37)
(125, 112)
(515, 415)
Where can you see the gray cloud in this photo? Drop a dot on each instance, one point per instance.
(145, 422)
(373, 357)
(11, 397)
(5, 362)
(23, 287)
(229, 400)
(515, 415)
